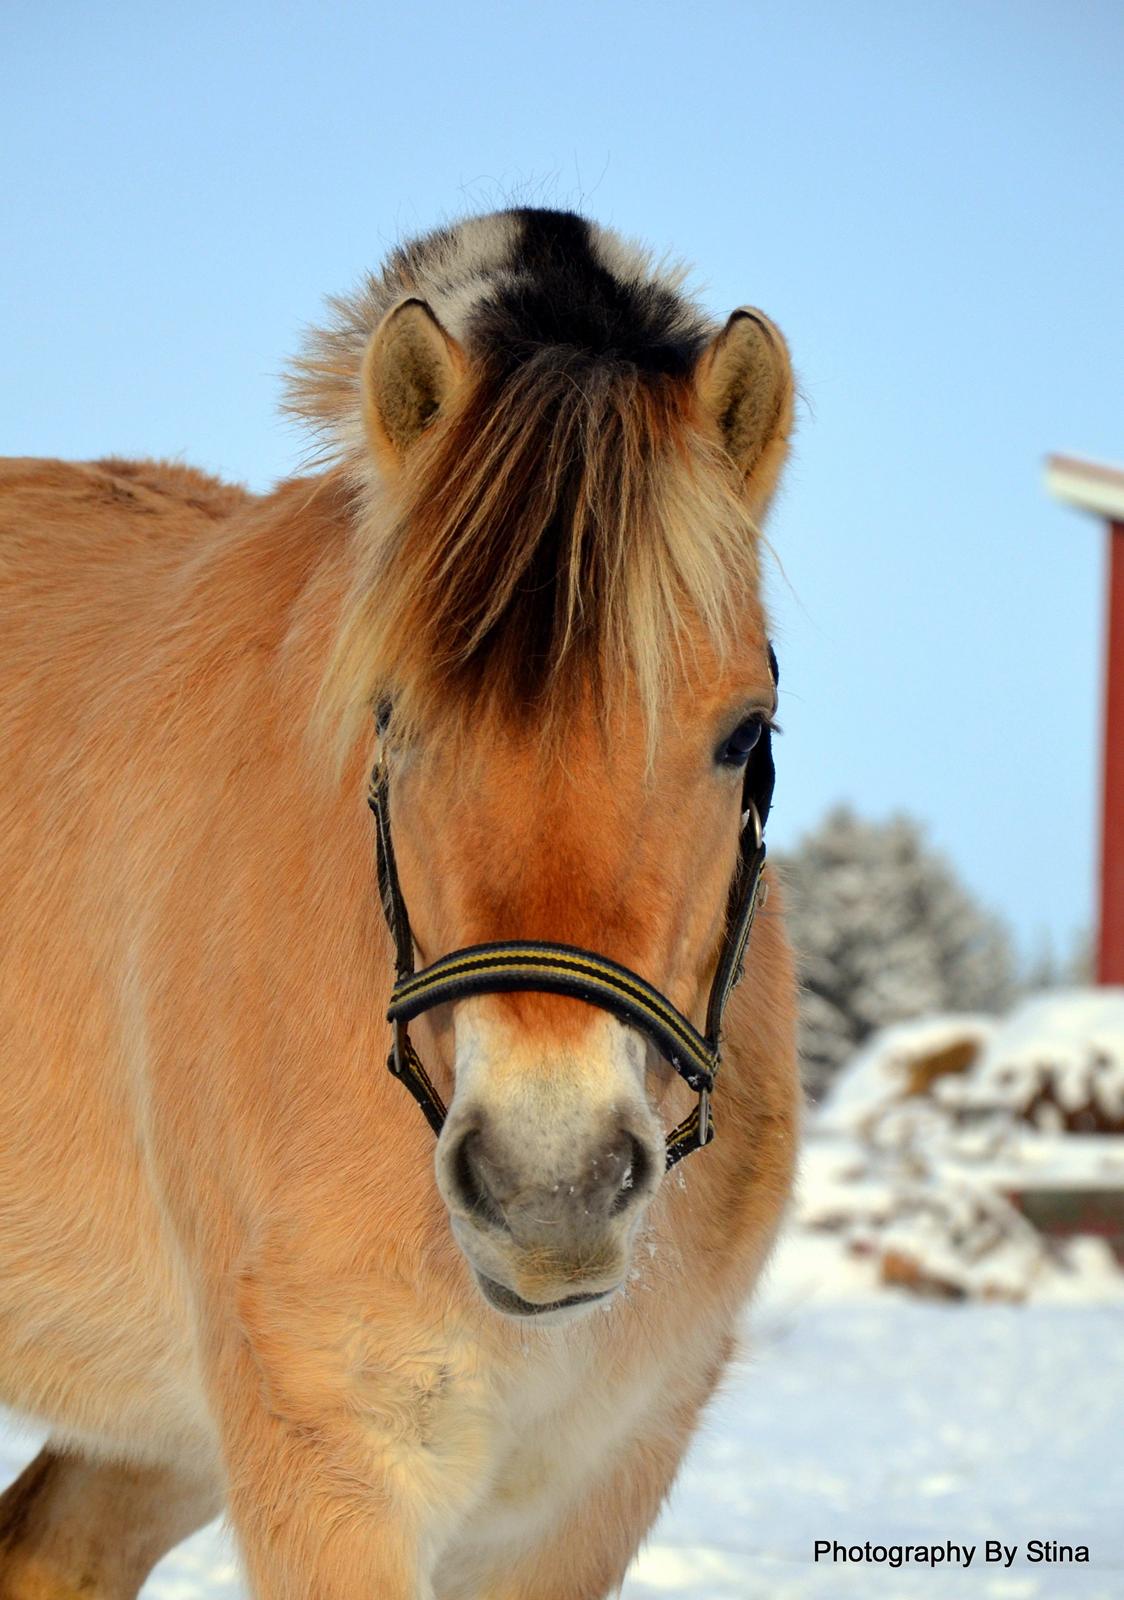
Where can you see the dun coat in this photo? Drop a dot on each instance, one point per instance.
(234, 1271)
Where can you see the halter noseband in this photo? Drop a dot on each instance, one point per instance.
(582, 974)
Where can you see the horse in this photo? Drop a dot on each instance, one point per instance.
(237, 1269)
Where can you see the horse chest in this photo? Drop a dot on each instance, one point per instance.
(562, 1414)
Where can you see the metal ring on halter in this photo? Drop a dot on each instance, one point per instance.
(758, 829)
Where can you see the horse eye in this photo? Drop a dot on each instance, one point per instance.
(382, 717)
(739, 746)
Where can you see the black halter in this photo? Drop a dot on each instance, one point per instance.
(582, 974)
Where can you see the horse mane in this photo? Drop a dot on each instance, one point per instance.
(568, 528)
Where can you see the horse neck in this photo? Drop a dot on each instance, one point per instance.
(269, 585)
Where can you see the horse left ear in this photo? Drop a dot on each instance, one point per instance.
(410, 370)
(745, 386)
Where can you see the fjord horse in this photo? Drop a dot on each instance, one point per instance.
(235, 1269)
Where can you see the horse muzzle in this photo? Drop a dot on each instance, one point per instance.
(545, 1202)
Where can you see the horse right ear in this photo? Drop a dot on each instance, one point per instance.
(410, 369)
(745, 385)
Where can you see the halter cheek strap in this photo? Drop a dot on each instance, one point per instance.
(582, 974)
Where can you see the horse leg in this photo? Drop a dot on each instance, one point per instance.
(313, 1515)
(351, 1444)
(72, 1527)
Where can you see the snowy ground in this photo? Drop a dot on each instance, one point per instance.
(885, 1420)
(905, 1423)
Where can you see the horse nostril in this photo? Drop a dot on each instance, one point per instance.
(636, 1177)
(470, 1183)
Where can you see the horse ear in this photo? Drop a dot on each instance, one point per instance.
(410, 369)
(745, 385)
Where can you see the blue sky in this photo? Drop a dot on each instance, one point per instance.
(926, 198)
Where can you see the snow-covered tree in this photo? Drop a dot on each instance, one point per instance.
(884, 931)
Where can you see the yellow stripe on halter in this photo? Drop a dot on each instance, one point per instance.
(605, 975)
(609, 974)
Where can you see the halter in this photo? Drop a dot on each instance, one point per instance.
(583, 974)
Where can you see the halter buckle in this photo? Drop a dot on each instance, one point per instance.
(704, 1115)
(398, 1050)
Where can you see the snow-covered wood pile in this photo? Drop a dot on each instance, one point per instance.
(1057, 1062)
(964, 1157)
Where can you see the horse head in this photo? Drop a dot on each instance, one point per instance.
(561, 620)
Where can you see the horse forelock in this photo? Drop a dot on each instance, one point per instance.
(568, 526)
(496, 283)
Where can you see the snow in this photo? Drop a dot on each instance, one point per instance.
(938, 1155)
(944, 1210)
(1071, 1040)
(903, 1423)
(879, 1072)
(1069, 1161)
